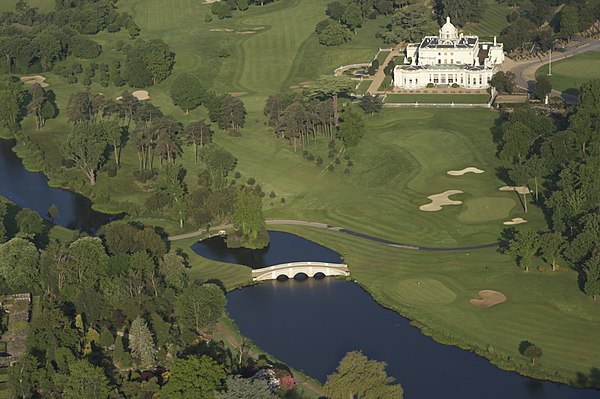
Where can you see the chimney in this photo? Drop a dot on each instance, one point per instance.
(494, 41)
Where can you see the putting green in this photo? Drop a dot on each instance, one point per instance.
(484, 209)
(424, 291)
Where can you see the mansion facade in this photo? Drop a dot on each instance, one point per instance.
(448, 59)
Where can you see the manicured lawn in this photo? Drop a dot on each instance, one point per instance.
(545, 308)
(569, 74)
(493, 21)
(438, 98)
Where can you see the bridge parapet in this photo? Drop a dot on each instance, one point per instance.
(293, 268)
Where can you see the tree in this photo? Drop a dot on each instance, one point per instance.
(503, 82)
(86, 381)
(357, 376)
(352, 17)
(569, 22)
(233, 113)
(172, 269)
(592, 276)
(30, 223)
(335, 10)
(19, 264)
(194, 377)
(332, 87)
(543, 86)
(219, 162)
(248, 219)
(114, 134)
(246, 388)
(159, 59)
(517, 138)
(79, 107)
(531, 351)
(198, 134)
(141, 343)
(170, 183)
(410, 23)
(53, 212)
(83, 47)
(333, 34)
(551, 246)
(524, 246)
(22, 377)
(371, 104)
(3, 209)
(221, 10)
(86, 146)
(187, 92)
(199, 305)
(519, 33)
(352, 127)
(87, 262)
(38, 106)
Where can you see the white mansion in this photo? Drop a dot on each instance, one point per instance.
(448, 59)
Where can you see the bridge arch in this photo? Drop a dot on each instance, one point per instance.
(290, 270)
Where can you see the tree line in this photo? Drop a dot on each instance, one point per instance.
(117, 316)
(558, 158)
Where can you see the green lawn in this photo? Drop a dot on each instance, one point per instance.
(494, 19)
(438, 98)
(569, 74)
(544, 308)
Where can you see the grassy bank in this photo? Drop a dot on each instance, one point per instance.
(570, 73)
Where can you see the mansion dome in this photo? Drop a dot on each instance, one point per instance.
(448, 31)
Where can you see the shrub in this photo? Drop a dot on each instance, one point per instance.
(319, 161)
(144, 175)
(346, 171)
(454, 85)
(310, 157)
(251, 181)
(337, 161)
(111, 170)
(282, 200)
(272, 194)
(305, 153)
(430, 85)
(331, 168)
(237, 175)
(349, 163)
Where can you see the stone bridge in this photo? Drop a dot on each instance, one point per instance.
(292, 269)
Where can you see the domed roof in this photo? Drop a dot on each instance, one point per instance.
(448, 31)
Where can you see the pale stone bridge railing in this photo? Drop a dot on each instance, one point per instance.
(292, 269)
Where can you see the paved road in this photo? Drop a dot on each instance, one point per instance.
(380, 74)
(525, 70)
(305, 223)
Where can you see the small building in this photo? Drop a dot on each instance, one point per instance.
(449, 59)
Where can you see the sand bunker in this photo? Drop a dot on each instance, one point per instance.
(519, 189)
(515, 221)
(246, 32)
(141, 95)
(210, 1)
(470, 169)
(238, 93)
(29, 80)
(439, 200)
(259, 28)
(490, 298)
(220, 30)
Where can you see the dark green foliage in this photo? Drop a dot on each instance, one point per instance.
(333, 35)
(19, 264)
(84, 47)
(221, 10)
(194, 377)
(199, 305)
(503, 82)
(356, 375)
(373, 67)
(410, 23)
(187, 92)
(352, 127)
(543, 87)
(147, 63)
(371, 104)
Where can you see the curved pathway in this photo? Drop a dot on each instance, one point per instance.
(525, 70)
(323, 226)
